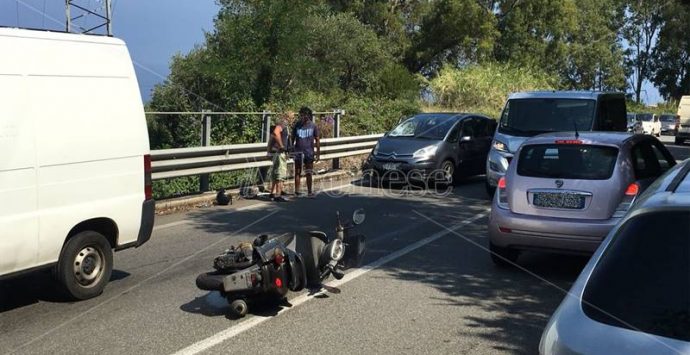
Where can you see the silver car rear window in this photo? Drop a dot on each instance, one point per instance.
(642, 281)
(567, 161)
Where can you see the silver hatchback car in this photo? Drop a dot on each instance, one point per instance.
(564, 192)
(633, 297)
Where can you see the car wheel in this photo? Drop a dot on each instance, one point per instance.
(503, 257)
(85, 265)
(448, 169)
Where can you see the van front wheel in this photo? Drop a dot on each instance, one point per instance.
(85, 265)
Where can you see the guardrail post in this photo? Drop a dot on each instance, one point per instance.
(265, 126)
(336, 134)
(204, 179)
(265, 136)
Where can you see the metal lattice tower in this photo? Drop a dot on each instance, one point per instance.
(105, 15)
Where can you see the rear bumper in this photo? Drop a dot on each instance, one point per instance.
(148, 215)
(508, 229)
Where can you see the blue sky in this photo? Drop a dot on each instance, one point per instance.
(154, 29)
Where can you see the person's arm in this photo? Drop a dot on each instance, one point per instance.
(317, 143)
(277, 137)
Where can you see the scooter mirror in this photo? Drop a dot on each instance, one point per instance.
(359, 216)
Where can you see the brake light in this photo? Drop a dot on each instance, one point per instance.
(569, 141)
(629, 197)
(502, 183)
(278, 282)
(632, 190)
(148, 182)
(502, 193)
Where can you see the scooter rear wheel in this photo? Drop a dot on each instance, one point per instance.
(239, 308)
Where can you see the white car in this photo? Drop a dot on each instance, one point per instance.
(75, 169)
(650, 123)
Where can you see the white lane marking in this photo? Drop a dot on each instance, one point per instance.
(252, 322)
(244, 208)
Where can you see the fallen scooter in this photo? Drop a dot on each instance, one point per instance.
(266, 269)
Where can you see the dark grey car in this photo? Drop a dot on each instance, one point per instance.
(438, 146)
(633, 297)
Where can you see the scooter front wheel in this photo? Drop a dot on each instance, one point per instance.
(239, 308)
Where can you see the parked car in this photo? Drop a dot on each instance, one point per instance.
(669, 122)
(565, 193)
(633, 295)
(436, 146)
(634, 125)
(528, 114)
(75, 167)
(683, 128)
(650, 123)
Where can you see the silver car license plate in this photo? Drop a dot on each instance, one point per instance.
(390, 166)
(559, 200)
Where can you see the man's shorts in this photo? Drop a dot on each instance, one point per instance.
(278, 170)
(302, 158)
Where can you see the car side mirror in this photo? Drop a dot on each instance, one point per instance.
(465, 139)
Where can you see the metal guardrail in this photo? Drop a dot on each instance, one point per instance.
(171, 163)
(208, 159)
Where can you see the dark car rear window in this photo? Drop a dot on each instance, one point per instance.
(567, 161)
(642, 282)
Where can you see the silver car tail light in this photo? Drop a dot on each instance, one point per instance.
(628, 198)
(502, 193)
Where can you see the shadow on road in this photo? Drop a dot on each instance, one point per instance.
(508, 308)
(37, 287)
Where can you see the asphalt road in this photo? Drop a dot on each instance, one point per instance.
(428, 286)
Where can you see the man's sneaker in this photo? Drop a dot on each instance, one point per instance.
(297, 193)
(311, 195)
(280, 199)
(271, 196)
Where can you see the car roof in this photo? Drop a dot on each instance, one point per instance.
(449, 115)
(588, 95)
(595, 138)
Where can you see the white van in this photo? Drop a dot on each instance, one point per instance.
(683, 120)
(75, 176)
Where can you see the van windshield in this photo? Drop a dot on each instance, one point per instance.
(528, 117)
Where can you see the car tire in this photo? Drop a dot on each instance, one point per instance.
(85, 265)
(679, 141)
(502, 256)
(490, 190)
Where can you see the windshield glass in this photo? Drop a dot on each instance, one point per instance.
(567, 161)
(645, 117)
(427, 126)
(534, 116)
(631, 118)
(668, 118)
(646, 268)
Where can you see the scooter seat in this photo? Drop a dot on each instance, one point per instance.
(210, 281)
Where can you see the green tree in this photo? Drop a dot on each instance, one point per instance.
(644, 19)
(671, 58)
(595, 54)
(459, 32)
